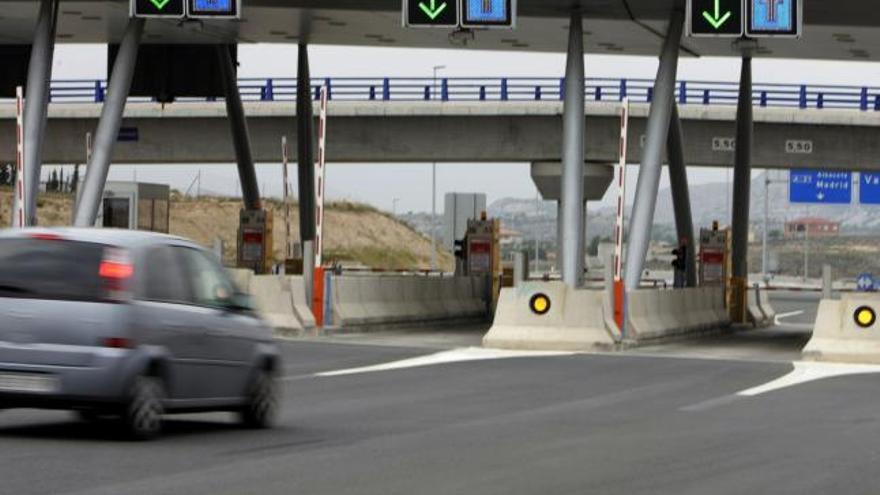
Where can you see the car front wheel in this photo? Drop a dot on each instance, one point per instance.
(261, 408)
(142, 418)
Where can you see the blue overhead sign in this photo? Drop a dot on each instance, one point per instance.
(773, 18)
(869, 188)
(820, 186)
(488, 13)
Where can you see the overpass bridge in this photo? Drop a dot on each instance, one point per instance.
(385, 120)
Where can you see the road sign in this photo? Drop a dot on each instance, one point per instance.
(869, 188)
(174, 9)
(214, 9)
(774, 18)
(430, 13)
(865, 282)
(819, 186)
(488, 14)
(715, 18)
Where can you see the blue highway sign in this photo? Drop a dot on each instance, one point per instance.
(773, 18)
(488, 13)
(865, 282)
(869, 188)
(820, 186)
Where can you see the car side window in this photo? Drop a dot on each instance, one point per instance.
(163, 277)
(209, 284)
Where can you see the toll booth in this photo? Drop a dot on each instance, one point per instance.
(135, 206)
(255, 246)
(715, 260)
(481, 254)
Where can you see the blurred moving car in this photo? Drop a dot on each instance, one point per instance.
(130, 324)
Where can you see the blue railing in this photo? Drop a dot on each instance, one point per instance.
(464, 89)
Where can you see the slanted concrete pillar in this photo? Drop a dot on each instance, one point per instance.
(108, 126)
(573, 123)
(649, 172)
(241, 139)
(681, 200)
(36, 104)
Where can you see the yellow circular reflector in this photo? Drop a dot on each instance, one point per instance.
(540, 304)
(865, 317)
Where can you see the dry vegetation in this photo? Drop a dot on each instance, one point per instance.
(356, 234)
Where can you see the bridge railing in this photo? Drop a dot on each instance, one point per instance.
(517, 89)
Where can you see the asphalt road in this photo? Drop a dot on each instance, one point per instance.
(623, 423)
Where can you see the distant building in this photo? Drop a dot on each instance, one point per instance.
(813, 226)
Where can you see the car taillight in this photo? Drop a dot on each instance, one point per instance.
(115, 270)
(45, 236)
(118, 343)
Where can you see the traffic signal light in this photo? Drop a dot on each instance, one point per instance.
(458, 249)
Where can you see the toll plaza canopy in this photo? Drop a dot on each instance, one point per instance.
(839, 30)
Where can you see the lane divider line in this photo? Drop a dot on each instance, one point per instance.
(445, 357)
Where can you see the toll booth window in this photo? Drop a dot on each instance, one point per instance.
(116, 213)
(145, 214)
(160, 215)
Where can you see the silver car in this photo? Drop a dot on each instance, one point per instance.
(129, 324)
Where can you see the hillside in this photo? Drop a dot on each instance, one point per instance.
(356, 234)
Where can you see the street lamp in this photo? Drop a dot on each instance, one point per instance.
(434, 192)
(765, 255)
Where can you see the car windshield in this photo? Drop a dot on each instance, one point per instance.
(50, 269)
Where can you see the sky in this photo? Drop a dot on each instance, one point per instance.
(408, 186)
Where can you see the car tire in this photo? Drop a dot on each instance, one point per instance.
(261, 408)
(142, 416)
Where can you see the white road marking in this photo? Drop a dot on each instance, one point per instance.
(453, 356)
(778, 319)
(805, 372)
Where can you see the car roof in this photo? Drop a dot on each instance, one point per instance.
(132, 239)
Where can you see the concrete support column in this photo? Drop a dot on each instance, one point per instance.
(241, 139)
(305, 146)
(37, 103)
(681, 200)
(108, 125)
(572, 202)
(306, 164)
(651, 167)
(742, 174)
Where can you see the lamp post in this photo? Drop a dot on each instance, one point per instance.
(434, 191)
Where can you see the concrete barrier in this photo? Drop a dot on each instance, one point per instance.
(274, 303)
(655, 314)
(837, 337)
(753, 309)
(367, 300)
(766, 307)
(574, 322)
(301, 306)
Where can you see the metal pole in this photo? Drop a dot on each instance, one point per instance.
(241, 141)
(108, 126)
(681, 201)
(742, 174)
(649, 172)
(807, 246)
(573, 123)
(765, 257)
(36, 105)
(434, 216)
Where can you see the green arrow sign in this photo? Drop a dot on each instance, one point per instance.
(433, 11)
(718, 19)
(160, 4)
